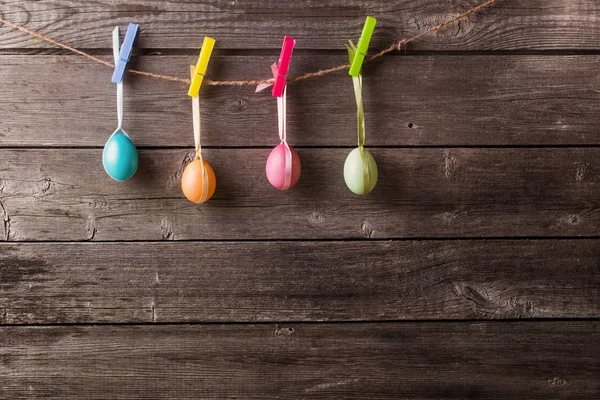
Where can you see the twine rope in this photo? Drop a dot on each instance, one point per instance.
(395, 46)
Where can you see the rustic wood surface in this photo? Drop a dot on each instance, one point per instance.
(64, 194)
(298, 281)
(471, 271)
(545, 360)
(316, 24)
(437, 100)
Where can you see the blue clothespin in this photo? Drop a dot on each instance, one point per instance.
(125, 53)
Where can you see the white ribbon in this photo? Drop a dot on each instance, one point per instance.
(116, 49)
(197, 142)
(281, 116)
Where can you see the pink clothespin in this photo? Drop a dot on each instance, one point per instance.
(280, 70)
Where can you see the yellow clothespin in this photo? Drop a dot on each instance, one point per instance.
(201, 65)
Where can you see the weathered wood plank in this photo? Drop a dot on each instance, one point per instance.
(419, 100)
(546, 360)
(298, 281)
(64, 194)
(511, 24)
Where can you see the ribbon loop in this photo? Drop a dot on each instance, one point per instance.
(360, 116)
(197, 141)
(116, 55)
(281, 116)
(196, 120)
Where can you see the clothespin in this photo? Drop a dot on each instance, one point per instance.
(125, 53)
(280, 70)
(201, 65)
(362, 46)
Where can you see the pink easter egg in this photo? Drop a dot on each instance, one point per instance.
(276, 167)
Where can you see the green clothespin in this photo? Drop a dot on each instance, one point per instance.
(362, 46)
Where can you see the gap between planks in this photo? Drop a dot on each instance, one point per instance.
(316, 240)
(470, 321)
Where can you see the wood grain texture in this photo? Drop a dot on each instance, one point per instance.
(252, 24)
(64, 194)
(546, 360)
(298, 281)
(487, 129)
(412, 100)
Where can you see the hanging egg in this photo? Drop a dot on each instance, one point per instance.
(120, 158)
(192, 184)
(276, 167)
(354, 172)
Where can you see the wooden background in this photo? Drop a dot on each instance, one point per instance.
(472, 270)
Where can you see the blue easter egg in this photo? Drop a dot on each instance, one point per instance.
(120, 158)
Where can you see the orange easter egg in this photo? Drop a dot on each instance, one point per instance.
(191, 181)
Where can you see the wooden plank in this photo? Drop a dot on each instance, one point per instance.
(491, 360)
(64, 194)
(250, 24)
(417, 100)
(298, 281)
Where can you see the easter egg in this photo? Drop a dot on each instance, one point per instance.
(120, 158)
(276, 166)
(191, 181)
(354, 175)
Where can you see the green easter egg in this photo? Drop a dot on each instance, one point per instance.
(353, 172)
